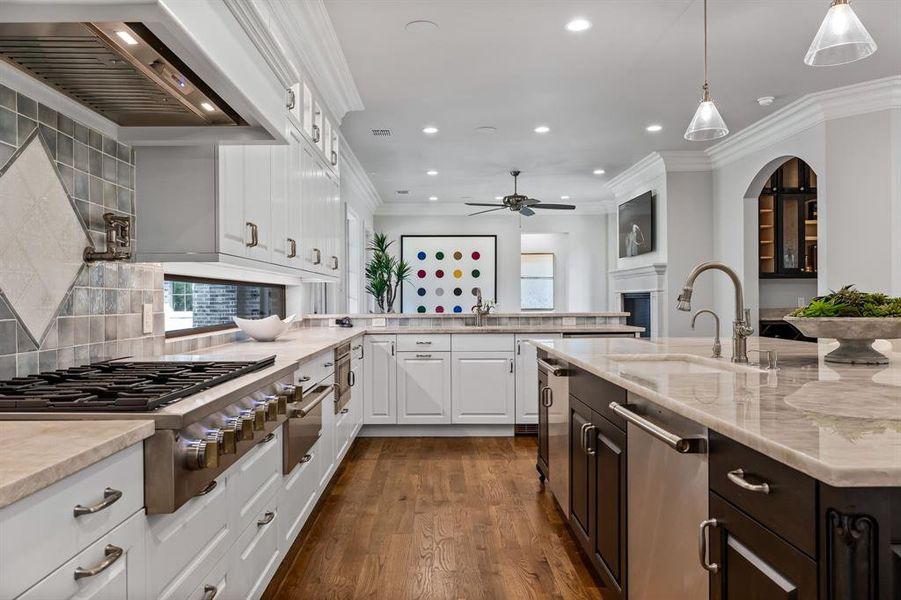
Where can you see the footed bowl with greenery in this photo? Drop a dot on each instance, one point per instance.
(856, 319)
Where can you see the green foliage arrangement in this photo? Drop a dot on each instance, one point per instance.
(384, 273)
(848, 302)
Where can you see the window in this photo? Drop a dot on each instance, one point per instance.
(195, 305)
(536, 281)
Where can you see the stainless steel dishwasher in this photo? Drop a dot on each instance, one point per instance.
(667, 498)
(555, 399)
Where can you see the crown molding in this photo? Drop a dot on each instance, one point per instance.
(648, 168)
(685, 161)
(352, 170)
(256, 26)
(308, 33)
(806, 112)
(459, 209)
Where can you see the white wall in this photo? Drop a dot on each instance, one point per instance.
(558, 245)
(586, 256)
(784, 293)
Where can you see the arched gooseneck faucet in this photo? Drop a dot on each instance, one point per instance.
(741, 326)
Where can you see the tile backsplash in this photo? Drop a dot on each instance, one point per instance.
(101, 314)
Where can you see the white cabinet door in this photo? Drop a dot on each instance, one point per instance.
(216, 584)
(527, 377)
(380, 377)
(310, 211)
(256, 555)
(232, 225)
(357, 393)
(327, 441)
(298, 496)
(278, 204)
(117, 561)
(294, 228)
(483, 387)
(423, 387)
(257, 189)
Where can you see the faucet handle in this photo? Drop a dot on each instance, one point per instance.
(772, 358)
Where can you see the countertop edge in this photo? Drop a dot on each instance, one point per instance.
(35, 481)
(839, 477)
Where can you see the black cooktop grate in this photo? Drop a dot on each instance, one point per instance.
(120, 386)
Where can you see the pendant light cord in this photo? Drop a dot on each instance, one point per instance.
(706, 86)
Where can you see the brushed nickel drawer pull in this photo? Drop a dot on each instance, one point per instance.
(306, 458)
(423, 342)
(292, 243)
(209, 592)
(551, 369)
(702, 546)
(423, 356)
(254, 235)
(738, 478)
(588, 449)
(344, 411)
(208, 489)
(113, 553)
(110, 497)
(267, 518)
(317, 256)
(269, 437)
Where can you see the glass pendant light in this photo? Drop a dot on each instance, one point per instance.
(841, 39)
(707, 123)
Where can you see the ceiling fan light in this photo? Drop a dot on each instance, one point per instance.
(707, 124)
(841, 38)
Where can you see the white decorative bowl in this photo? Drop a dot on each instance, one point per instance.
(855, 336)
(264, 330)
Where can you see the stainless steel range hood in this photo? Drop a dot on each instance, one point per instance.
(119, 70)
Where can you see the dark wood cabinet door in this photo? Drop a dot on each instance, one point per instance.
(753, 563)
(607, 446)
(543, 463)
(580, 474)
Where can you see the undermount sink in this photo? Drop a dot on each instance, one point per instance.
(681, 364)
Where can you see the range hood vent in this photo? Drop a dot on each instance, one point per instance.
(119, 70)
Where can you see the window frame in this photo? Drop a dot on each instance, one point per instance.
(552, 278)
(177, 333)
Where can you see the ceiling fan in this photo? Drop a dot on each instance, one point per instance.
(519, 203)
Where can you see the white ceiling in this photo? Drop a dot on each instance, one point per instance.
(511, 65)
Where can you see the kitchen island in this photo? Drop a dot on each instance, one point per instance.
(796, 479)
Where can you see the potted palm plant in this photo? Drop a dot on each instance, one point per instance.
(385, 273)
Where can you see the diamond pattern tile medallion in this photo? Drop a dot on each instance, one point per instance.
(42, 239)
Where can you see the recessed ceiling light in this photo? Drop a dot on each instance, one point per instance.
(578, 24)
(431, 172)
(433, 198)
(430, 130)
(653, 128)
(486, 129)
(766, 100)
(207, 106)
(564, 197)
(599, 171)
(542, 129)
(127, 38)
(498, 197)
(421, 26)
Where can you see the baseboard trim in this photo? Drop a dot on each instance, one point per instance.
(436, 431)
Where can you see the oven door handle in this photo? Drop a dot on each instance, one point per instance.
(316, 401)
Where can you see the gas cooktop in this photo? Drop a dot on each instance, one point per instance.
(119, 386)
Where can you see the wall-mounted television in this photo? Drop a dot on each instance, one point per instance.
(636, 226)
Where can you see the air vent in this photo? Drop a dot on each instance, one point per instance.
(403, 192)
(381, 132)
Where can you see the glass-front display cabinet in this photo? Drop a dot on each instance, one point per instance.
(787, 222)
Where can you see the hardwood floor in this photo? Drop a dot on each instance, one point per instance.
(442, 518)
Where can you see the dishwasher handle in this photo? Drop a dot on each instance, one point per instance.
(554, 370)
(679, 444)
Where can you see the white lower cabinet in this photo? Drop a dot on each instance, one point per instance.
(483, 388)
(216, 584)
(256, 554)
(527, 375)
(254, 480)
(298, 497)
(423, 388)
(380, 377)
(112, 568)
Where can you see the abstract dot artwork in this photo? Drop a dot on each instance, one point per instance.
(444, 268)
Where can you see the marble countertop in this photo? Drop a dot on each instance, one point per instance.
(36, 454)
(838, 423)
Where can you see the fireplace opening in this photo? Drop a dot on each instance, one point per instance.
(638, 304)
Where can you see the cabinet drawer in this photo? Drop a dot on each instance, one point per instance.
(254, 479)
(41, 532)
(789, 507)
(297, 498)
(117, 560)
(427, 342)
(597, 393)
(482, 342)
(183, 546)
(216, 583)
(255, 556)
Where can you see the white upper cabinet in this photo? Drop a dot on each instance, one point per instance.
(257, 202)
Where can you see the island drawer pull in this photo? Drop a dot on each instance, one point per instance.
(737, 477)
(552, 369)
(679, 444)
(210, 592)
(702, 545)
(110, 497)
(113, 553)
(209, 488)
(267, 518)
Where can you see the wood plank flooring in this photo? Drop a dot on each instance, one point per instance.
(438, 518)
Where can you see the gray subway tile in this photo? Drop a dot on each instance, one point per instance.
(68, 177)
(6, 152)
(110, 328)
(65, 124)
(65, 149)
(47, 360)
(47, 116)
(81, 133)
(95, 140)
(24, 343)
(82, 185)
(26, 106)
(7, 367)
(110, 146)
(25, 127)
(27, 364)
(82, 330)
(65, 357)
(109, 168)
(95, 162)
(49, 135)
(98, 329)
(66, 332)
(82, 157)
(7, 337)
(82, 355)
(7, 97)
(8, 127)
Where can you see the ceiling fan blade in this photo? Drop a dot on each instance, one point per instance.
(555, 206)
(526, 211)
(482, 204)
(530, 202)
(486, 211)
